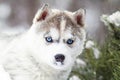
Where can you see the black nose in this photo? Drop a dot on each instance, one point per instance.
(59, 57)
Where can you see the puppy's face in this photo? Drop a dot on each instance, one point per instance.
(58, 37)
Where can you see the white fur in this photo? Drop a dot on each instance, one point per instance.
(63, 22)
(29, 57)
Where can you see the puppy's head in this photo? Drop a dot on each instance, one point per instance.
(57, 37)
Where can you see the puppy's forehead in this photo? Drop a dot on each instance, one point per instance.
(61, 22)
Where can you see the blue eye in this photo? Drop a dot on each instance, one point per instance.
(70, 41)
(49, 39)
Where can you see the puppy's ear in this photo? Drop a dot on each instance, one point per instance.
(79, 17)
(42, 14)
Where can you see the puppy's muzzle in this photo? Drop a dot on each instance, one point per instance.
(59, 58)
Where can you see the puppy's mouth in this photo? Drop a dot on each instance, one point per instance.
(59, 63)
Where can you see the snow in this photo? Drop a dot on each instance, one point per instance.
(89, 44)
(80, 63)
(74, 78)
(115, 18)
(96, 53)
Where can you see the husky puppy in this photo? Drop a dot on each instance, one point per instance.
(47, 51)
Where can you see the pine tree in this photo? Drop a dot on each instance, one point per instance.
(111, 49)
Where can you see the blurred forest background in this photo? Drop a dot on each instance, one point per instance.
(19, 13)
